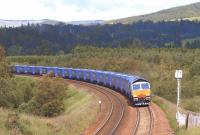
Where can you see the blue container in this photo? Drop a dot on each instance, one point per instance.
(19, 69)
(87, 75)
(55, 71)
(93, 76)
(69, 70)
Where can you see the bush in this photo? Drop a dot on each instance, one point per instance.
(4, 65)
(194, 70)
(192, 104)
(15, 91)
(52, 108)
(48, 98)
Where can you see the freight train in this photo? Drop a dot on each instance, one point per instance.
(136, 88)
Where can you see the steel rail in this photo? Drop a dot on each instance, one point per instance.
(151, 121)
(99, 88)
(122, 110)
(134, 131)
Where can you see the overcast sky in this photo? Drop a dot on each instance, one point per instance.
(74, 10)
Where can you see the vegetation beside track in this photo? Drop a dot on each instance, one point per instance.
(44, 106)
(155, 64)
(79, 105)
(170, 110)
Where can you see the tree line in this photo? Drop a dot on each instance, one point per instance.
(60, 39)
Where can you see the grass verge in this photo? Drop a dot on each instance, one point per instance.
(170, 111)
(81, 110)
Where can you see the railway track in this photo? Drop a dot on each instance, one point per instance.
(110, 125)
(145, 121)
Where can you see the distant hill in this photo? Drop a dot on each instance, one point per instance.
(18, 23)
(87, 22)
(189, 12)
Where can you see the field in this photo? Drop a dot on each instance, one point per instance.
(78, 104)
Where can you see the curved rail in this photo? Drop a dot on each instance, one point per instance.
(122, 111)
(151, 121)
(105, 92)
(134, 131)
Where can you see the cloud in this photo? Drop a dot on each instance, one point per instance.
(73, 10)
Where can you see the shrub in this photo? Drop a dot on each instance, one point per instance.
(194, 70)
(192, 104)
(4, 67)
(48, 99)
(15, 91)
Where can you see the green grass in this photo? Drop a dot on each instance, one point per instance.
(194, 131)
(192, 104)
(81, 109)
(170, 111)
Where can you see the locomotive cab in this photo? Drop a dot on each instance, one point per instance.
(141, 93)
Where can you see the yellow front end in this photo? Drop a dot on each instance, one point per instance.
(141, 97)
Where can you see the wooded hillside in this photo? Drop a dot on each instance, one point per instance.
(59, 39)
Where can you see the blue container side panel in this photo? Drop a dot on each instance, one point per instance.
(109, 80)
(32, 70)
(25, 69)
(55, 71)
(40, 70)
(70, 73)
(93, 76)
(97, 77)
(77, 74)
(63, 72)
(17, 69)
(84, 74)
(121, 84)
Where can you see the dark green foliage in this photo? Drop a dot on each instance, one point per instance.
(4, 70)
(48, 98)
(52, 108)
(15, 91)
(59, 39)
(5, 95)
(31, 107)
(14, 50)
(43, 97)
